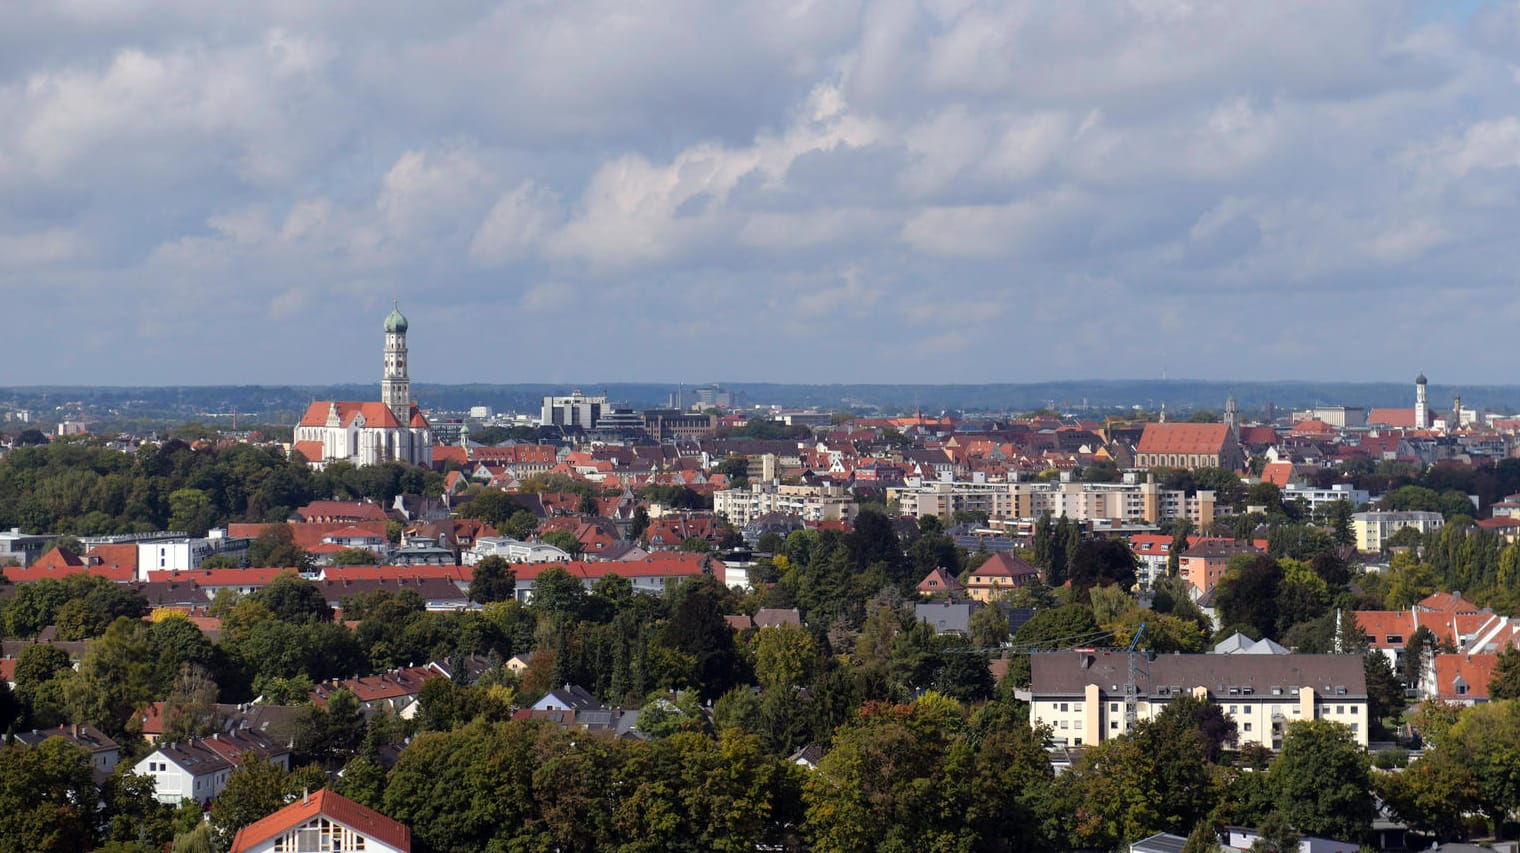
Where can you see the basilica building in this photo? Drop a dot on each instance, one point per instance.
(391, 430)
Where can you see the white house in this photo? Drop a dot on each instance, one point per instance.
(198, 768)
(324, 821)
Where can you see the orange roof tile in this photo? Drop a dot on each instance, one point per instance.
(1183, 438)
(336, 807)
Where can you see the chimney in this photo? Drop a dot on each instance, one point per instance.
(305, 796)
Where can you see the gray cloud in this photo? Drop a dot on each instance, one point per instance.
(792, 190)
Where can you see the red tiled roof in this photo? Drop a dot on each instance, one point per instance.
(458, 574)
(59, 559)
(364, 821)
(669, 564)
(312, 450)
(1004, 565)
(403, 681)
(939, 580)
(1447, 602)
(1476, 671)
(219, 577)
(1183, 438)
(115, 556)
(1392, 417)
(1279, 474)
(375, 414)
(345, 510)
(1258, 435)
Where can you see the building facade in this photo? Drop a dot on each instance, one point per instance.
(1084, 696)
(809, 503)
(392, 429)
(1373, 528)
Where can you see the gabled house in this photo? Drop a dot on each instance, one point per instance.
(198, 768)
(1001, 573)
(570, 697)
(104, 752)
(320, 822)
(939, 582)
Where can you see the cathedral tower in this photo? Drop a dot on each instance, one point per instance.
(395, 387)
(1421, 405)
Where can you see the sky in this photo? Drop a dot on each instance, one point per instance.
(581, 191)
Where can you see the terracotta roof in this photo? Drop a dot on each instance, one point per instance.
(1258, 435)
(393, 684)
(1279, 474)
(1447, 602)
(343, 510)
(1472, 671)
(375, 414)
(114, 556)
(458, 574)
(939, 580)
(666, 564)
(59, 559)
(219, 577)
(1392, 417)
(1004, 565)
(1183, 438)
(335, 807)
(312, 450)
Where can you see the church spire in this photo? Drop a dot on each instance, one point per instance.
(395, 386)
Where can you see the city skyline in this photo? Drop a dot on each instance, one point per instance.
(809, 193)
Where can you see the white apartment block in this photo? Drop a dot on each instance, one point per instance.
(1316, 498)
(810, 503)
(1373, 528)
(1130, 502)
(1081, 696)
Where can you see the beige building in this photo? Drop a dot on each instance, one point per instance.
(1125, 503)
(810, 503)
(1130, 502)
(1082, 696)
(1373, 528)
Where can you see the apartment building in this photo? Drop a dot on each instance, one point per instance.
(809, 503)
(1082, 695)
(1373, 528)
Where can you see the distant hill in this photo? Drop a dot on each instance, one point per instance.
(283, 404)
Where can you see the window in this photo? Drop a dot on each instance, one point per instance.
(1113, 724)
(1076, 707)
(1063, 707)
(1113, 707)
(1246, 726)
(1234, 709)
(1461, 689)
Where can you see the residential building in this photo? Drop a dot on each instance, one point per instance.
(808, 503)
(1001, 573)
(323, 821)
(513, 551)
(1317, 498)
(1203, 564)
(396, 690)
(1130, 502)
(1152, 554)
(1085, 697)
(1463, 679)
(944, 498)
(939, 582)
(649, 575)
(370, 433)
(198, 768)
(1373, 528)
(104, 752)
(187, 553)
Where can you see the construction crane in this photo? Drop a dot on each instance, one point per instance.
(1132, 684)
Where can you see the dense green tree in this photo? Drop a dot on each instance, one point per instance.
(1505, 682)
(291, 598)
(48, 799)
(492, 579)
(1322, 780)
(275, 547)
(1247, 596)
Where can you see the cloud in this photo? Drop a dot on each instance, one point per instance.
(851, 190)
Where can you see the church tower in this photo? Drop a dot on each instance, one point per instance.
(1421, 405)
(1232, 416)
(395, 387)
